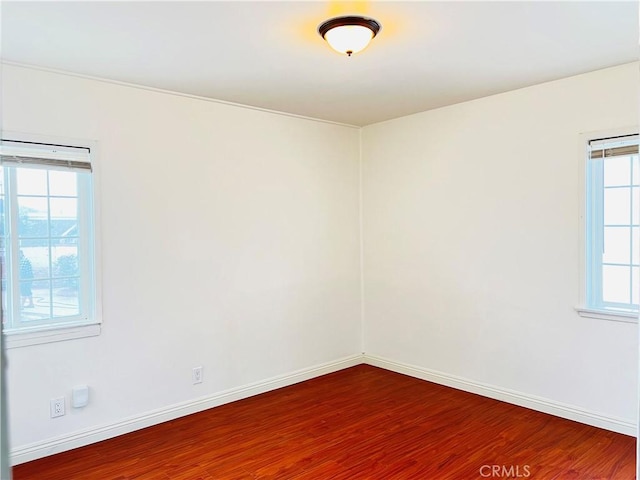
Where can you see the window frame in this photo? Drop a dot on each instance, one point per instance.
(56, 333)
(584, 309)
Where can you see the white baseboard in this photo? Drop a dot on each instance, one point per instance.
(551, 407)
(85, 437)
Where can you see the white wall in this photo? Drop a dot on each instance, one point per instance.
(230, 239)
(471, 244)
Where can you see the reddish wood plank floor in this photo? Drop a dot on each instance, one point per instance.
(359, 423)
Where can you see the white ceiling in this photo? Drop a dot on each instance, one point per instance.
(269, 55)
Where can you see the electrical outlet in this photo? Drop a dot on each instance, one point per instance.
(57, 407)
(197, 375)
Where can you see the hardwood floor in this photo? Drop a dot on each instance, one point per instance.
(359, 423)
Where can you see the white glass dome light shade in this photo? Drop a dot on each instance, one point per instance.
(349, 35)
(349, 38)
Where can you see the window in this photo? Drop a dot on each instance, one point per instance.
(612, 226)
(46, 240)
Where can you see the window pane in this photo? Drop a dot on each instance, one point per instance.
(25, 275)
(2, 202)
(3, 281)
(36, 254)
(63, 183)
(2, 217)
(68, 237)
(65, 261)
(635, 247)
(617, 171)
(5, 317)
(636, 285)
(64, 215)
(3, 266)
(636, 170)
(636, 206)
(617, 209)
(617, 245)
(41, 297)
(65, 297)
(33, 214)
(616, 286)
(31, 181)
(26, 294)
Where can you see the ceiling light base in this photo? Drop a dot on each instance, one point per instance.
(349, 35)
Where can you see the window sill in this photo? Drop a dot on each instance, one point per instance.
(626, 317)
(25, 339)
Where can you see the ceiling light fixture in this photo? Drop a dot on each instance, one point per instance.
(349, 34)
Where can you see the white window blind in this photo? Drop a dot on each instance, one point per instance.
(25, 154)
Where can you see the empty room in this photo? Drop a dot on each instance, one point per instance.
(319, 240)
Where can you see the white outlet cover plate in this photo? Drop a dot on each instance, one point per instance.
(57, 407)
(197, 375)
